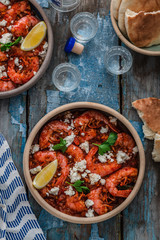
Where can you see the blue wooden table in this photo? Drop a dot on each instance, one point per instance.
(18, 116)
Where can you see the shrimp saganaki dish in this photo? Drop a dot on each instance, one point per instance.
(97, 163)
(17, 66)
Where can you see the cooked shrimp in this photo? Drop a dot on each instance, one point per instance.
(17, 9)
(23, 26)
(63, 163)
(125, 141)
(75, 152)
(30, 65)
(52, 132)
(99, 207)
(6, 85)
(3, 57)
(75, 203)
(89, 117)
(88, 135)
(44, 157)
(102, 169)
(116, 178)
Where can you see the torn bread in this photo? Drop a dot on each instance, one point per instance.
(156, 150)
(116, 5)
(142, 28)
(149, 111)
(136, 6)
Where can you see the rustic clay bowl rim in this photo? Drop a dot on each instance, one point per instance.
(45, 63)
(35, 193)
(127, 42)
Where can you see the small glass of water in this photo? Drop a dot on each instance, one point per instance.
(66, 77)
(64, 5)
(118, 60)
(84, 26)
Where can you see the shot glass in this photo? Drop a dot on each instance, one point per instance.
(66, 77)
(64, 5)
(118, 60)
(84, 26)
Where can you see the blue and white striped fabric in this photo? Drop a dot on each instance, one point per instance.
(17, 221)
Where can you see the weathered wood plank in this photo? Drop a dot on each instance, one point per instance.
(141, 218)
(96, 86)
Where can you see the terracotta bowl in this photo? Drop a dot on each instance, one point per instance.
(42, 16)
(151, 51)
(125, 125)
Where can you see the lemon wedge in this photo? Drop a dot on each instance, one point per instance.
(45, 175)
(34, 37)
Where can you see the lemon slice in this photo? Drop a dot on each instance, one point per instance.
(45, 175)
(34, 37)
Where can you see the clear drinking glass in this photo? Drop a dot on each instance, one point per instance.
(66, 77)
(118, 60)
(64, 5)
(84, 26)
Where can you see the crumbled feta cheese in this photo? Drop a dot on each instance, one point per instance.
(12, 21)
(84, 175)
(113, 120)
(72, 123)
(94, 178)
(66, 120)
(82, 134)
(51, 147)
(20, 67)
(69, 139)
(3, 23)
(59, 174)
(68, 114)
(80, 123)
(54, 191)
(45, 47)
(47, 194)
(74, 175)
(89, 203)
(70, 191)
(104, 130)
(135, 150)
(6, 38)
(9, 27)
(85, 146)
(5, 2)
(35, 170)
(105, 157)
(2, 71)
(81, 166)
(9, 7)
(70, 156)
(34, 148)
(87, 171)
(102, 181)
(90, 213)
(34, 72)
(122, 157)
(16, 61)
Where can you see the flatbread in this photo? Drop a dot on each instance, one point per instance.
(116, 5)
(136, 6)
(156, 150)
(149, 110)
(142, 28)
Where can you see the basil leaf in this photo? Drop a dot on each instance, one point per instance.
(78, 183)
(61, 146)
(85, 189)
(78, 189)
(112, 138)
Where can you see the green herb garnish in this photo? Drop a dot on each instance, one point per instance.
(79, 188)
(61, 146)
(106, 146)
(6, 46)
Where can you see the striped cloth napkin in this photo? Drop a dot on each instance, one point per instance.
(17, 220)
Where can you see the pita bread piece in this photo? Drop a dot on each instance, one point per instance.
(143, 29)
(149, 111)
(136, 6)
(116, 5)
(156, 150)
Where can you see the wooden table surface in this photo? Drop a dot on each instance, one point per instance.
(19, 114)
